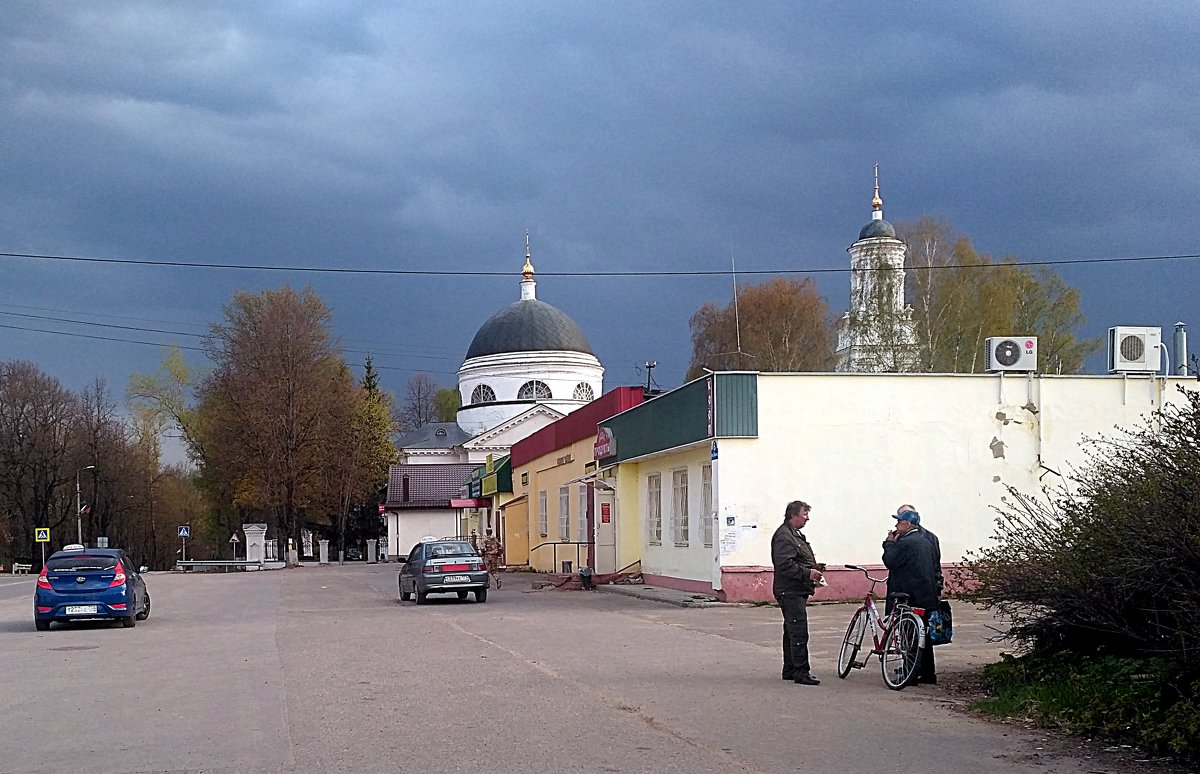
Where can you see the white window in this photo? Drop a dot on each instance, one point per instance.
(534, 390)
(654, 508)
(679, 507)
(706, 514)
(483, 394)
(584, 537)
(583, 391)
(542, 521)
(564, 513)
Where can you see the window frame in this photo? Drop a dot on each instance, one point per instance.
(654, 509)
(584, 536)
(543, 516)
(708, 526)
(589, 395)
(564, 513)
(535, 386)
(479, 390)
(680, 521)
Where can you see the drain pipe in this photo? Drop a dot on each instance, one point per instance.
(1181, 350)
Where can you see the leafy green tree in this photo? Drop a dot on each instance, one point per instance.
(447, 401)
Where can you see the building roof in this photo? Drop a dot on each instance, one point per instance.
(435, 435)
(877, 228)
(528, 325)
(428, 486)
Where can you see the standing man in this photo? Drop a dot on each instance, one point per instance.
(492, 551)
(934, 544)
(796, 576)
(908, 555)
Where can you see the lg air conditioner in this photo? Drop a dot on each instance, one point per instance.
(1010, 353)
(1134, 349)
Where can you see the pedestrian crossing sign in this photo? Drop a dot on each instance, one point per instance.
(185, 531)
(41, 534)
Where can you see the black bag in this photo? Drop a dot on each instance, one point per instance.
(941, 624)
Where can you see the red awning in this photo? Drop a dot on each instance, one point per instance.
(471, 503)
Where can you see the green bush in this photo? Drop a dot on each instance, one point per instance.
(1148, 702)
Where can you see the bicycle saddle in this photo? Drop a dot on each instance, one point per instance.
(899, 596)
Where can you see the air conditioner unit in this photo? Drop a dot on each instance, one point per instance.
(1010, 353)
(1134, 349)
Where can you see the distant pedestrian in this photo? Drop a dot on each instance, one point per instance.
(909, 558)
(796, 575)
(493, 549)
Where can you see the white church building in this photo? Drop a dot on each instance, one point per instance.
(528, 365)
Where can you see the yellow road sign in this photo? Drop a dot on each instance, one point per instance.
(41, 534)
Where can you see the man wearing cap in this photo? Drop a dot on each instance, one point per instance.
(909, 559)
(934, 544)
(796, 575)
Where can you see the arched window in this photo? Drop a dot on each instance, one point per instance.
(534, 390)
(483, 394)
(583, 391)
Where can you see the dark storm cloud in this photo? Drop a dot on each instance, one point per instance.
(623, 136)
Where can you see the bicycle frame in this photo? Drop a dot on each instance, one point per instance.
(897, 638)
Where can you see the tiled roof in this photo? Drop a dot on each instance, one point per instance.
(435, 435)
(429, 486)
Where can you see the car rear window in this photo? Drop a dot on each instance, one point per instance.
(81, 562)
(451, 549)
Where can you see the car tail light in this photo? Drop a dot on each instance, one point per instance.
(455, 567)
(44, 609)
(118, 576)
(118, 607)
(431, 568)
(43, 582)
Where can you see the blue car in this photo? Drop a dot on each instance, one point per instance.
(81, 583)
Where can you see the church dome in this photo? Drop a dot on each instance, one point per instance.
(528, 325)
(877, 228)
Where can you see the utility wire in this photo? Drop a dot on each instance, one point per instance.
(658, 273)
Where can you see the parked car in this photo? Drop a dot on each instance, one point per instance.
(81, 583)
(354, 554)
(443, 567)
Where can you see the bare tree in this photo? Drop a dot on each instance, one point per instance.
(420, 402)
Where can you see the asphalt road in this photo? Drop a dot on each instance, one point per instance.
(322, 669)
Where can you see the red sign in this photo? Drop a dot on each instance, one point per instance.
(605, 513)
(382, 508)
(606, 444)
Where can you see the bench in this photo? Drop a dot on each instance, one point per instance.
(225, 565)
(21, 569)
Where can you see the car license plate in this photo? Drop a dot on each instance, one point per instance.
(81, 609)
(458, 578)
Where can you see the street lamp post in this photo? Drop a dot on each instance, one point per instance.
(79, 503)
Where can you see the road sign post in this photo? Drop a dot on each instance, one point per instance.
(185, 532)
(42, 535)
(233, 541)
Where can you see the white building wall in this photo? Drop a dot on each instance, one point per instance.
(856, 446)
(407, 527)
(693, 561)
(504, 373)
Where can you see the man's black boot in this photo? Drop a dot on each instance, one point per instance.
(806, 679)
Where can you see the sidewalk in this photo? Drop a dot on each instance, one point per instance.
(667, 596)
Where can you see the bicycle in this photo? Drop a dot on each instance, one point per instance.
(898, 638)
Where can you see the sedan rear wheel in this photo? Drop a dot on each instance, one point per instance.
(129, 621)
(481, 595)
(462, 594)
(421, 596)
(41, 625)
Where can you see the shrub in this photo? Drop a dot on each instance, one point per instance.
(1112, 567)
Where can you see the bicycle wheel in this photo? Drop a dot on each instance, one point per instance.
(902, 650)
(851, 643)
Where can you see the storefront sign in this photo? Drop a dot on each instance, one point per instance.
(606, 443)
(605, 513)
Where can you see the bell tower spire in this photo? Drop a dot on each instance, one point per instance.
(877, 202)
(528, 285)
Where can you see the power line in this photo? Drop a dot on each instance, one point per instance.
(652, 273)
(100, 338)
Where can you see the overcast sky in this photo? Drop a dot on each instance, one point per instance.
(622, 136)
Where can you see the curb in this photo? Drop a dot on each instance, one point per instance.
(668, 596)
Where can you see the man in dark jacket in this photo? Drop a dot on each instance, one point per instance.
(796, 575)
(934, 544)
(908, 555)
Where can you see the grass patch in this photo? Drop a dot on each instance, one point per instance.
(1151, 703)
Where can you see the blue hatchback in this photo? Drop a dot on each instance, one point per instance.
(81, 583)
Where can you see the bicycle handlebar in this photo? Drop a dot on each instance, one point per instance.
(864, 572)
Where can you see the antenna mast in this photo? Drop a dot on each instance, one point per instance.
(737, 323)
(650, 366)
